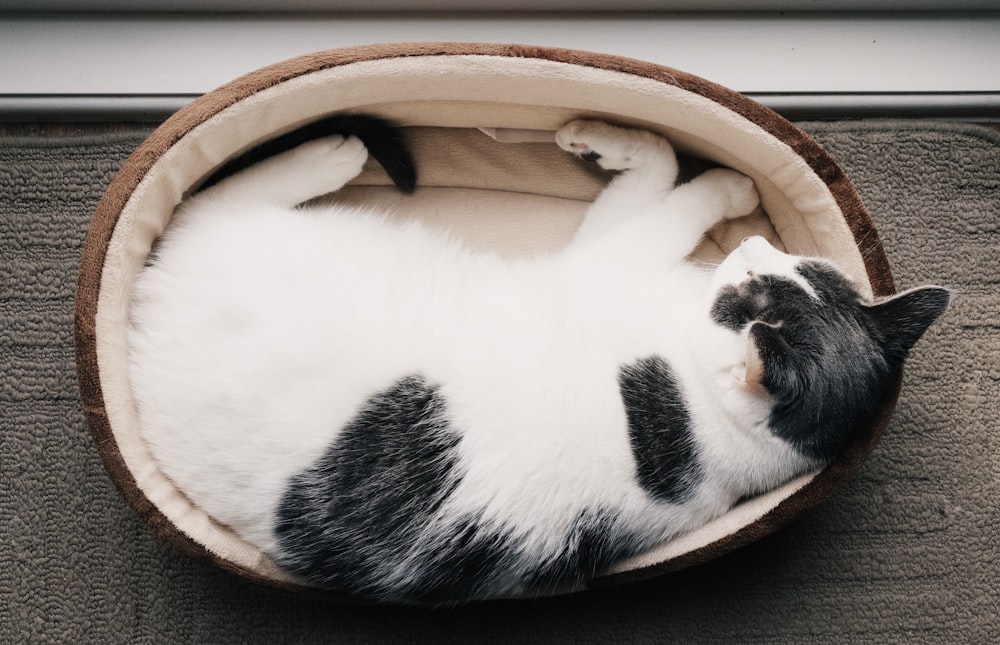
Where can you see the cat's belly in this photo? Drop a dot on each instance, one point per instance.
(247, 363)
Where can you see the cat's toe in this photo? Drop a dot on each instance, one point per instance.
(346, 148)
(346, 152)
(572, 137)
(333, 159)
(613, 147)
(610, 146)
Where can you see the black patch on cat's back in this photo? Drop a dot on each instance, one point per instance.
(367, 517)
(660, 431)
(389, 470)
(595, 541)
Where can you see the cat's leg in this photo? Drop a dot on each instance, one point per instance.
(670, 231)
(715, 195)
(641, 210)
(647, 163)
(709, 198)
(310, 170)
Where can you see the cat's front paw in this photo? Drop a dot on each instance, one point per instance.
(738, 192)
(612, 147)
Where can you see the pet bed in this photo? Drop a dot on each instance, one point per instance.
(480, 120)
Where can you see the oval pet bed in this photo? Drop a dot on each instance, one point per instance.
(480, 120)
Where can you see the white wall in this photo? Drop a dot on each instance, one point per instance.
(947, 58)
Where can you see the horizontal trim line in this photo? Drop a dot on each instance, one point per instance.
(955, 106)
(979, 106)
(72, 107)
(185, 55)
(323, 7)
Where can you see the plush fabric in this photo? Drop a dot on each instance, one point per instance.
(443, 93)
(905, 552)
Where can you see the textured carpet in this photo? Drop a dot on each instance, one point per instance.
(907, 552)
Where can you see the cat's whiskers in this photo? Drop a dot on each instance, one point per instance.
(704, 264)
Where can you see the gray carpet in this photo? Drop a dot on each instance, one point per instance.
(907, 552)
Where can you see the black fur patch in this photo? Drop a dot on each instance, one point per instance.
(365, 517)
(358, 509)
(595, 542)
(465, 562)
(382, 138)
(766, 298)
(660, 430)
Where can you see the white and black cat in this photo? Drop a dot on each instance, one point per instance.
(387, 413)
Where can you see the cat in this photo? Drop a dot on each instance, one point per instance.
(389, 414)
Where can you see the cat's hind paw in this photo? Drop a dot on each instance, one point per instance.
(321, 165)
(334, 155)
(611, 147)
(314, 168)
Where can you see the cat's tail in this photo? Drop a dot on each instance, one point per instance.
(383, 138)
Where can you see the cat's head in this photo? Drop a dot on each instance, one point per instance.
(823, 355)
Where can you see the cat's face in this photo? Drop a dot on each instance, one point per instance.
(821, 354)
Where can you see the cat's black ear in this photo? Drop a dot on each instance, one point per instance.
(904, 318)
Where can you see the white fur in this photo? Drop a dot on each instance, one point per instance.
(261, 328)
